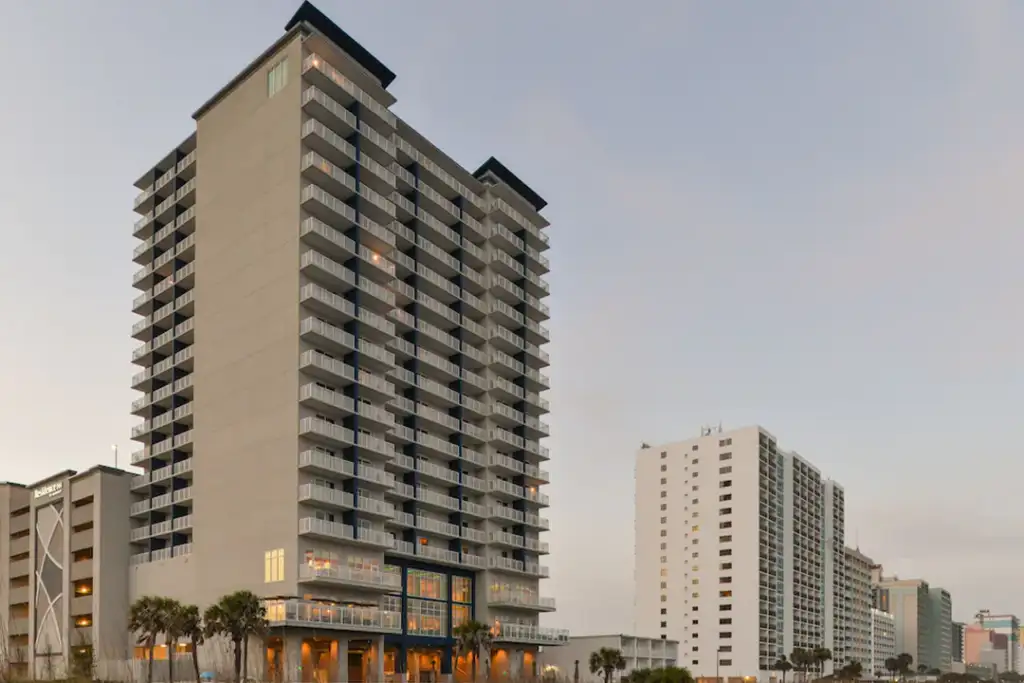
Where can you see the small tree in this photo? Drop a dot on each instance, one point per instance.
(892, 665)
(819, 656)
(671, 674)
(146, 618)
(472, 637)
(906, 662)
(190, 626)
(607, 660)
(237, 617)
(802, 660)
(783, 665)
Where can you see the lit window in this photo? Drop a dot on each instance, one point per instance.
(273, 565)
(277, 78)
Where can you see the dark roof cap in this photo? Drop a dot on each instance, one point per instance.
(497, 168)
(314, 17)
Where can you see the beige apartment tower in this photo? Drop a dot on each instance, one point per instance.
(340, 374)
(64, 594)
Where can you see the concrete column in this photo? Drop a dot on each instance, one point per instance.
(515, 664)
(379, 675)
(341, 669)
(291, 666)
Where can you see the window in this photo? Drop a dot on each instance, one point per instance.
(664, 571)
(664, 494)
(695, 662)
(694, 447)
(695, 582)
(725, 662)
(664, 468)
(664, 520)
(725, 511)
(273, 565)
(725, 648)
(725, 497)
(725, 552)
(664, 598)
(695, 528)
(727, 607)
(694, 608)
(724, 442)
(695, 474)
(664, 532)
(664, 624)
(664, 611)
(725, 634)
(664, 480)
(725, 594)
(696, 460)
(725, 525)
(694, 487)
(724, 539)
(664, 584)
(462, 589)
(664, 559)
(694, 595)
(694, 622)
(725, 621)
(425, 617)
(725, 484)
(725, 456)
(424, 584)
(664, 506)
(695, 648)
(725, 565)
(695, 554)
(725, 579)
(664, 546)
(460, 615)
(725, 470)
(664, 454)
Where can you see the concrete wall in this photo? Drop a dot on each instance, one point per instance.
(110, 565)
(247, 345)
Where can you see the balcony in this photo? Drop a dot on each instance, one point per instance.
(335, 531)
(349, 576)
(326, 497)
(310, 614)
(536, 635)
(516, 600)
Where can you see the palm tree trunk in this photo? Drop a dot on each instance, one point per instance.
(195, 659)
(238, 660)
(149, 665)
(245, 657)
(472, 669)
(170, 661)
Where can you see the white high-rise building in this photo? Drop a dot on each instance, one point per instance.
(739, 552)
(883, 641)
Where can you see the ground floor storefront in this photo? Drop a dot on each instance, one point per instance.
(330, 657)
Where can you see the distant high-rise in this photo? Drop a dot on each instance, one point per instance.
(859, 602)
(341, 372)
(923, 616)
(740, 552)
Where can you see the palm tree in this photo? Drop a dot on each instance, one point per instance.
(905, 660)
(783, 665)
(170, 611)
(190, 625)
(146, 618)
(472, 637)
(607, 660)
(892, 665)
(819, 656)
(237, 616)
(802, 660)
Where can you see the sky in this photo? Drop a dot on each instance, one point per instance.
(800, 214)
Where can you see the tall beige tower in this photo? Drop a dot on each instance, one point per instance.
(341, 367)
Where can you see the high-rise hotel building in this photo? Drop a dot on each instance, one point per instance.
(341, 370)
(739, 552)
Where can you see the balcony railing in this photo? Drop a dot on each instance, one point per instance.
(525, 633)
(325, 615)
(350, 575)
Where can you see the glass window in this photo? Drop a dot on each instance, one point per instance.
(273, 565)
(277, 78)
(424, 584)
(391, 603)
(462, 589)
(363, 564)
(460, 615)
(427, 618)
(321, 559)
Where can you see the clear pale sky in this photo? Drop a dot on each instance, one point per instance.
(802, 214)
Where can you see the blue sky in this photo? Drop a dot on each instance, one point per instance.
(802, 214)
